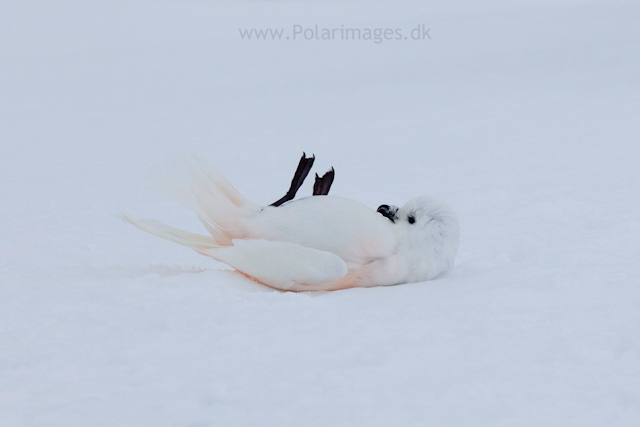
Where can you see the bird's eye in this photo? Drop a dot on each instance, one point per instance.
(411, 219)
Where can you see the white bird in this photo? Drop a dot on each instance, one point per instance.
(309, 244)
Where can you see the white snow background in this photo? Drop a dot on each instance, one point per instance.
(524, 116)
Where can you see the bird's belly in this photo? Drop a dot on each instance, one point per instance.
(347, 228)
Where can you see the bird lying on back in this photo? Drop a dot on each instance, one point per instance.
(314, 243)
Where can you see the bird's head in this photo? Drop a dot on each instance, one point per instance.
(428, 231)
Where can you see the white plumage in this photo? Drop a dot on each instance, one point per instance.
(313, 243)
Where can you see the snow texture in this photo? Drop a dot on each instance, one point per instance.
(522, 115)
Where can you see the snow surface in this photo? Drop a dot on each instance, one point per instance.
(522, 115)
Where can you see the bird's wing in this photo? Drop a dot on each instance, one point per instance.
(196, 242)
(281, 265)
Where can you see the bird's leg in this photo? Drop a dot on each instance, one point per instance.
(304, 166)
(322, 185)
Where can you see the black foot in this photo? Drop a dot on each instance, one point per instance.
(304, 166)
(322, 185)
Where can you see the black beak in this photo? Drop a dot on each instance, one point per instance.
(389, 212)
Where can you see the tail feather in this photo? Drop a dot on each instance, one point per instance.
(181, 237)
(191, 181)
(217, 235)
